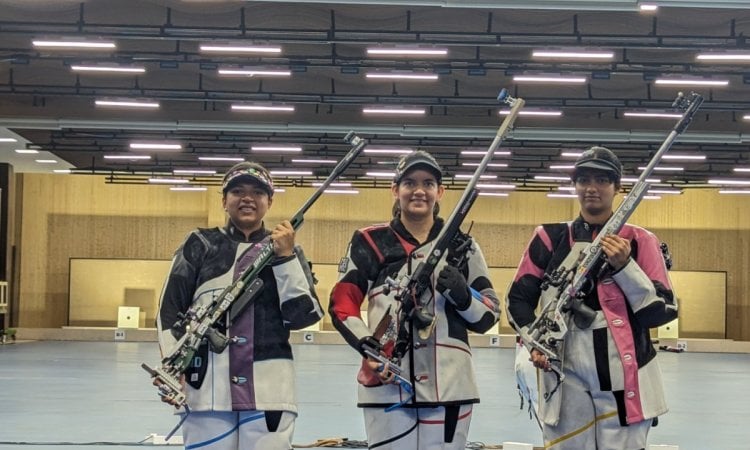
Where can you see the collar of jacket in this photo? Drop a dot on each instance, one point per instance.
(236, 235)
(398, 227)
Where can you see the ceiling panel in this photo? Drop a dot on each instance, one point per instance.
(324, 45)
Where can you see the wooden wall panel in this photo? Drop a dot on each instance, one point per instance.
(706, 231)
(81, 216)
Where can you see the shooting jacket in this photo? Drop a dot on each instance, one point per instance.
(637, 297)
(440, 368)
(256, 372)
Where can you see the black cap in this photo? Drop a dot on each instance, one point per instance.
(248, 172)
(599, 158)
(418, 159)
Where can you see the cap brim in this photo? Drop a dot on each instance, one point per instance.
(594, 164)
(420, 164)
(247, 178)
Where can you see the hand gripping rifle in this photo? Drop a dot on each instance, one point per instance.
(200, 322)
(550, 327)
(413, 286)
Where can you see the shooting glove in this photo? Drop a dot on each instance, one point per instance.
(452, 284)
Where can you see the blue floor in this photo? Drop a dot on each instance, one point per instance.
(85, 392)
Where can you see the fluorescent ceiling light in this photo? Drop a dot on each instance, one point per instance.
(483, 152)
(548, 79)
(558, 195)
(524, 112)
(389, 151)
(572, 54)
(46, 161)
(187, 188)
(467, 176)
(283, 173)
(494, 194)
(273, 108)
(551, 178)
(167, 181)
(721, 57)
(240, 48)
(730, 182)
(74, 44)
(495, 186)
(742, 169)
(398, 111)
(129, 157)
(571, 154)
(320, 183)
(746, 117)
(256, 72)
(690, 82)
(62, 171)
(665, 191)
(648, 7)
(27, 151)
(276, 190)
(154, 146)
(407, 51)
(634, 180)
(664, 168)
(566, 188)
(275, 148)
(127, 103)
(314, 161)
(193, 172)
(401, 76)
(651, 197)
(221, 158)
(476, 164)
(677, 156)
(652, 114)
(341, 191)
(114, 69)
(380, 174)
(562, 167)
(734, 191)
(8, 140)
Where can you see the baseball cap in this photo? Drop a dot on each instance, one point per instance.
(600, 158)
(418, 159)
(247, 172)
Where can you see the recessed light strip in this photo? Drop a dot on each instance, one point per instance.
(505, 112)
(272, 108)
(240, 48)
(407, 51)
(548, 79)
(572, 54)
(690, 82)
(256, 72)
(396, 111)
(114, 69)
(154, 146)
(128, 157)
(402, 76)
(275, 148)
(74, 44)
(127, 103)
